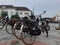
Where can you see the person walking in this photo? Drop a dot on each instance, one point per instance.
(47, 27)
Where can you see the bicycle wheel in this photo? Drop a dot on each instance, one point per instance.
(23, 36)
(1, 25)
(9, 29)
(16, 29)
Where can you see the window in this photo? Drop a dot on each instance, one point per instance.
(26, 13)
(21, 13)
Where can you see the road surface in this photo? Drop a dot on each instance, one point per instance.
(53, 38)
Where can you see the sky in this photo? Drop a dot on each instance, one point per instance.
(50, 6)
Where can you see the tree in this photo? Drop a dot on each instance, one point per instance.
(4, 14)
(15, 16)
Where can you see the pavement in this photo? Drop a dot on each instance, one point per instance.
(53, 38)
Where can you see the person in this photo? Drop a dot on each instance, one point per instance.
(47, 22)
(37, 21)
(44, 27)
(47, 27)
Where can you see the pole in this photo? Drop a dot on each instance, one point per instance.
(33, 10)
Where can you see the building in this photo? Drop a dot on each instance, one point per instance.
(51, 20)
(11, 10)
(58, 17)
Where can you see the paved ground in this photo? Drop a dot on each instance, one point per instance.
(53, 39)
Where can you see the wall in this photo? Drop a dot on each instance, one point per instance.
(23, 13)
(13, 11)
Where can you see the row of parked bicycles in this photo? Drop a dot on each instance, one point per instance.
(19, 28)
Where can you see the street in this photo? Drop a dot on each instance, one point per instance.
(52, 39)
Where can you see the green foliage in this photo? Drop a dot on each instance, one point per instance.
(15, 16)
(3, 14)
